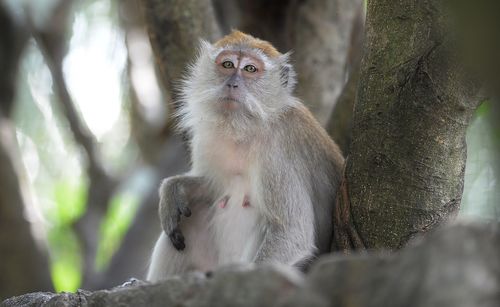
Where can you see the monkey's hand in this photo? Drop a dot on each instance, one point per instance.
(174, 205)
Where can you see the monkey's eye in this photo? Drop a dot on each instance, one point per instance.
(250, 68)
(227, 64)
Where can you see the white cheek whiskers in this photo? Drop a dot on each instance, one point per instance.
(255, 107)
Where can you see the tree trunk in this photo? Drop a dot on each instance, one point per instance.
(404, 174)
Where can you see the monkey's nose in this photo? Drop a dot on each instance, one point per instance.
(232, 85)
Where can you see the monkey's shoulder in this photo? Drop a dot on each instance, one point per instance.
(300, 126)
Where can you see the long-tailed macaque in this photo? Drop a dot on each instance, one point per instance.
(264, 173)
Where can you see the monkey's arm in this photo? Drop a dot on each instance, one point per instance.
(177, 195)
(289, 237)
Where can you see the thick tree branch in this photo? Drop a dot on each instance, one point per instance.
(414, 103)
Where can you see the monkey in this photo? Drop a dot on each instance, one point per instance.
(264, 173)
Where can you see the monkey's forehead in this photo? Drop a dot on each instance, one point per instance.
(237, 38)
(255, 52)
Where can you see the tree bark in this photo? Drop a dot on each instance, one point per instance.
(404, 174)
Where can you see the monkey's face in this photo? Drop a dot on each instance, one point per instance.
(237, 83)
(238, 71)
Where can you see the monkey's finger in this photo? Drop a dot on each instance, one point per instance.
(177, 239)
(170, 222)
(177, 243)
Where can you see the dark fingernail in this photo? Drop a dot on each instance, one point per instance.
(180, 245)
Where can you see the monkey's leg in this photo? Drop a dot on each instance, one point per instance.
(290, 234)
(177, 194)
(166, 260)
(199, 254)
(287, 244)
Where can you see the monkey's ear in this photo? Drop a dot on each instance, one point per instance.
(205, 48)
(287, 73)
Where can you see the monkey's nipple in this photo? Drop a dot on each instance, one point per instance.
(246, 202)
(223, 202)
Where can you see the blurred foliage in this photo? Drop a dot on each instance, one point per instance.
(65, 252)
(53, 165)
(70, 202)
(95, 70)
(118, 218)
(66, 259)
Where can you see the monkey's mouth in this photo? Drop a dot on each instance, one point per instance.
(230, 103)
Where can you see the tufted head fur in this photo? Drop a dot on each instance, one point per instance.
(260, 97)
(240, 38)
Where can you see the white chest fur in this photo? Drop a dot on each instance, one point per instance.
(237, 222)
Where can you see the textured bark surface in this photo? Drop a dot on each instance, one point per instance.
(407, 159)
(445, 269)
